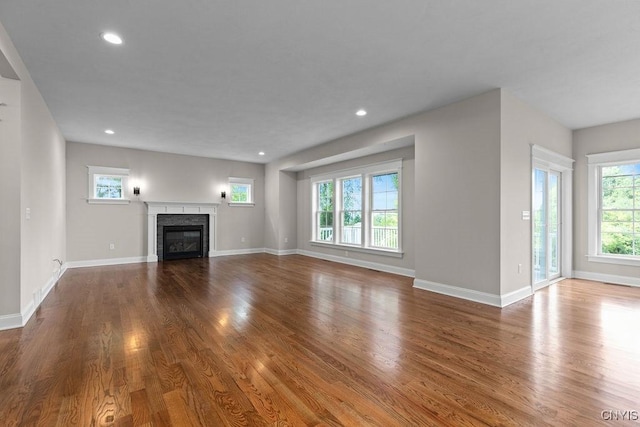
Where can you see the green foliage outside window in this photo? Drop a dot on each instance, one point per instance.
(620, 221)
(239, 193)
(325, 208)
(352, 201)
(108, 187)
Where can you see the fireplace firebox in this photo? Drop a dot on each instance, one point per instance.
(182, 241)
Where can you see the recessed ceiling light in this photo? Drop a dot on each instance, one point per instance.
(361, 113)
(109, 132)
(112, 38)
(261, 153)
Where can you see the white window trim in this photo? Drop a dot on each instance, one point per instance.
(340, 212)
(314, 211)
(594, 163)
(366, 172)
(250, 182)
(92, 171)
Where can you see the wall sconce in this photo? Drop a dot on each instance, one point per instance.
(136, 191)
(223, 194)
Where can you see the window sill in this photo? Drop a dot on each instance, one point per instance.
(109, 201)
(612, 259)
(245, 205)
(372, 251)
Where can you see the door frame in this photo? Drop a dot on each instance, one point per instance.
(543, 158)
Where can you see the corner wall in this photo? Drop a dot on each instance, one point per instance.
(458, 197)
(10, 153)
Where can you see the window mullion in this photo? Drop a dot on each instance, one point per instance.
(363, 211)
(337, 208)
(366, 217)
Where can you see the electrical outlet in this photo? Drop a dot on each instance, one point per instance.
(346, 253)
(112, 246)
(286, 240)
(519, 268)
(28, 213)
(242, 239)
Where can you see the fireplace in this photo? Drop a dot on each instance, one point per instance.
(182, 241)
(178, 223)
(166, 214)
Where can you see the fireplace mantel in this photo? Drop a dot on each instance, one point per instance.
(176, 208)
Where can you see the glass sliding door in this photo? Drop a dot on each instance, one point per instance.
(539, 225)
(554, 225)
(546, 227)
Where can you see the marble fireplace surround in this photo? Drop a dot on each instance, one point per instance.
(178, 208)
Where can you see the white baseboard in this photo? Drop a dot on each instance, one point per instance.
(154, 258)
(359, 263)
(607, 278)
(472, 295)
(239, 252)
(28, 311)
(52, 281)
(515, 296)
(281, 252)
(10, 321)
(454, 291)
(108, 261)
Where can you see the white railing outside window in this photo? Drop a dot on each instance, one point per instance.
(359, 208)
(385, 237)
(351, 235)
(326, 234)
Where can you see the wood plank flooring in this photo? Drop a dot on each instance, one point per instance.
(260, 340)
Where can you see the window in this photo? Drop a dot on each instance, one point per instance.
(366, 202)
(351, 214)
(324, 213)
(107, 185)
(614, 207)
(620, 209)
(241, 191)
(384, 212)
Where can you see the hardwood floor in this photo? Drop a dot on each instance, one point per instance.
(263, 340)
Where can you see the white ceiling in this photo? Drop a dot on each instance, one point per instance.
(227, 79)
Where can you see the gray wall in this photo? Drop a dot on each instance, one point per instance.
(288, 201)
(43, 191)
(33, 157)
(458, 195)
(10, 145)
(599, 139)
(162, 177)
(272, 207)
(521, 126)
